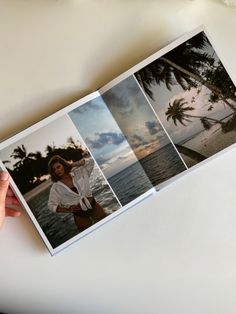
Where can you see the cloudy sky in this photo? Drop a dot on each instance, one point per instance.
(135, 117)
(103, 136)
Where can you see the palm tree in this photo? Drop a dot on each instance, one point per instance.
(39, 164)
(218, 76)
(20, 152)
(185, 65)
(37, 155)
(72, 143)
(214, 89)
(177, 112)
(50, 150)
(6, 162)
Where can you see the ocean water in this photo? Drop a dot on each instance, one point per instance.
(59, 228)
(130, 183)
(162, 165)
(150, 171)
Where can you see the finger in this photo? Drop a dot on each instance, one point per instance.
(10, 192)
(11, 200)
(14, 207)
(4, 182)
(12, 212)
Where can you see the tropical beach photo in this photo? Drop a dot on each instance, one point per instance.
(143, 131)
(111, 150)
(57, 144)
(194, 98)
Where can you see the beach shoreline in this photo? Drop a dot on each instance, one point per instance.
(209, 142)
(38, 189)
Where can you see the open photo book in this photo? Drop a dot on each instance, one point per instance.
(85, 164)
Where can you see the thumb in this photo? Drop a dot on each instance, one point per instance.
(4, 182)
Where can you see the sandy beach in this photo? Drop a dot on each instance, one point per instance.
(209, 142)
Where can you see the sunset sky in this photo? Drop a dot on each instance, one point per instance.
(135, 117)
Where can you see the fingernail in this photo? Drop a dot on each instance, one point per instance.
(4, 176)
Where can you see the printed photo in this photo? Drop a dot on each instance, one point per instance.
(111, 150)
(63, 187)
(194, 98)
(143, 131)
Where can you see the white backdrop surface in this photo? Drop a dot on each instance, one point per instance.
(174, 252)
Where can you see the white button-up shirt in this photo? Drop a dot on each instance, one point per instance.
(61, 195)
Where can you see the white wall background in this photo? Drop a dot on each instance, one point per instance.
(174, 253)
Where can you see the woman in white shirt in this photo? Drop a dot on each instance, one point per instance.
(71, 192)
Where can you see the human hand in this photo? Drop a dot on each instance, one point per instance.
(81, 162)
(77, 163)
(7, 199)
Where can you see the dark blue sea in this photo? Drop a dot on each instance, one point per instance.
(59, 228)
(130, 183)
(162, 165)
(150, 171)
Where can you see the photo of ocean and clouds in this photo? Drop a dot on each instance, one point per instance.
(111, 150)
(27, 162)
(194, 98)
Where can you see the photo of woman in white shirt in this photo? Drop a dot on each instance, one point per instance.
(71, 192)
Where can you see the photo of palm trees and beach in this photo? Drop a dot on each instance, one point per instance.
(27, 162)
(194, 98)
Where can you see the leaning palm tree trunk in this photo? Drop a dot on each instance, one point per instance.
(207, 118)
(198, 78)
